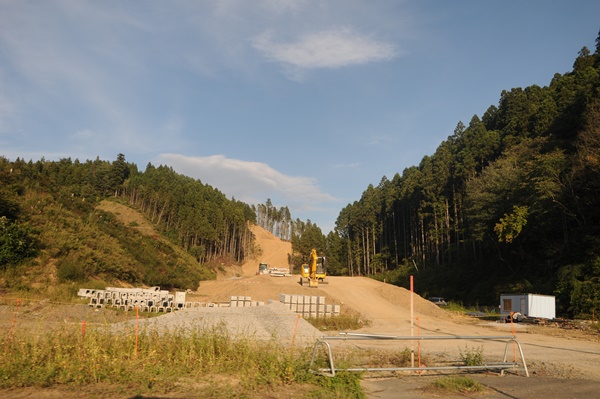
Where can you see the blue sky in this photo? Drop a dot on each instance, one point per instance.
(300, 101)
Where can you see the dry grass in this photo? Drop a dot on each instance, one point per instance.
(148, 362)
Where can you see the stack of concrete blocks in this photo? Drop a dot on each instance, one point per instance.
(200, 305)
(243, 301)
(147, 300)
(279, 272)
(309, 306)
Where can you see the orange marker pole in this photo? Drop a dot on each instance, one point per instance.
(419, 342)
(12, 326)
(83, 324)
(294, 336)
(412, 324)
(137, 317)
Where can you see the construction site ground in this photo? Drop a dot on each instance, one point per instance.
(562, 363)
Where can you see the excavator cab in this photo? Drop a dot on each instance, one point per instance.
(321, 270)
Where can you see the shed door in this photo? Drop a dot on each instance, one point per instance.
(523, 308)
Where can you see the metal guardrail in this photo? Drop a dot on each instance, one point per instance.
(504, 365)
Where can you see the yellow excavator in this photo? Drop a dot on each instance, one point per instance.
(314, 271)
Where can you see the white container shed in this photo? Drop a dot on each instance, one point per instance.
(530, 305)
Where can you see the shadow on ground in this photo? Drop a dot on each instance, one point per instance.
(498, 387)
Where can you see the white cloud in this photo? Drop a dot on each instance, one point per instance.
(250, 182)
(334, 48)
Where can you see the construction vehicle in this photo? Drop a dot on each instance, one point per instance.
(263, 268)
(314, 271)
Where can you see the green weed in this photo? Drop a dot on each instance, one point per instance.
(343, 385)
(457, 384)
(472, 356)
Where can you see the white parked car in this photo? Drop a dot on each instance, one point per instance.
(438, 300)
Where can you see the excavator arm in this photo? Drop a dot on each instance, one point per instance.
(312, 265)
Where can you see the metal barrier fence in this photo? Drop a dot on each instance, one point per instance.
(504, 365)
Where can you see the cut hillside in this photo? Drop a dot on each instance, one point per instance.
(269, 249)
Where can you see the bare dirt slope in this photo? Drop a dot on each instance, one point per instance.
(273, 251)
(388, 309)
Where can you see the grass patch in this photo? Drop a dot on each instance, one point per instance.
(343, 385)
(481, 311)
(456, 385)
(457, 307)
(343, 322)
(163, 363)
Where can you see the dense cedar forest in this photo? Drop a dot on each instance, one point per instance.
(508, 203)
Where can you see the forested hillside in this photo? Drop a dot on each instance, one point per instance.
(508, 203)
(51, 231)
